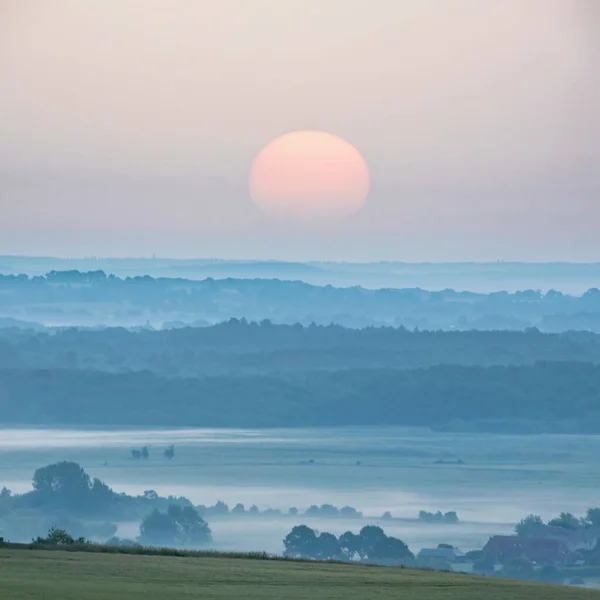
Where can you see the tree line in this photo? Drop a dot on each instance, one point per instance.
(64, 497)
(548, 396)
(242, 347)
(532, 524)
(371, 544)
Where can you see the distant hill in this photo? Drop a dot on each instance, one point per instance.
(572, 278)
(92, 298)
(10, 323)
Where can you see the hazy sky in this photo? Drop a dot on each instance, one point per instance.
(128, 127)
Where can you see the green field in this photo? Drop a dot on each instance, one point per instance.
(49, 575)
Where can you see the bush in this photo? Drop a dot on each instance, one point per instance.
(59, 537)
(550, 574)
(483, 566)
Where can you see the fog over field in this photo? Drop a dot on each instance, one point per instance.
(500, 481)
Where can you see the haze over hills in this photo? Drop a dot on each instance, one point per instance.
(97, 298)
(572, 278)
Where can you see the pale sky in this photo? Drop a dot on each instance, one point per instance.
(128, 127)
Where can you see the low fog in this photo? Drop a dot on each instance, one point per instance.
(367, 473)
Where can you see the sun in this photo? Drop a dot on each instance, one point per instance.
(309, 175)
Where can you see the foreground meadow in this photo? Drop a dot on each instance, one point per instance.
(49, 575)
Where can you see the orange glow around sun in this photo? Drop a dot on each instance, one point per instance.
(308, 175)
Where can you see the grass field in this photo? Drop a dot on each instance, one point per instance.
(60, 575)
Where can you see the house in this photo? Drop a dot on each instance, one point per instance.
(504, 548)
(437, 554)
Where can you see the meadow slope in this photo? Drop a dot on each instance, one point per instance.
(42, 574)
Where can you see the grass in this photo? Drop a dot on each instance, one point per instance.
(32, 574)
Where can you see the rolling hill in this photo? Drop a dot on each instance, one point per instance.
(43, 574)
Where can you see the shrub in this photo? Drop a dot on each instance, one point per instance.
(59, 537)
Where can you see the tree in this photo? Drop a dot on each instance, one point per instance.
(390, 549)
(566, 521)
(64, 483)
(179, 526)
(170, 452)
(370, 537)
(158, 529)
(100, 496)
(300, 542)
(350, 512)
(593, 516)
(145, 453)
(328, 510)
(193, 529)
(350, 545)
(528, 525)
(375, 546)
(327, 547)
(220, 508)
(238, 509)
